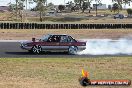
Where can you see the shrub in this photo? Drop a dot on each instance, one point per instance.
(129, 11)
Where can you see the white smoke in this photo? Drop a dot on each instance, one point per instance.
(107, 47)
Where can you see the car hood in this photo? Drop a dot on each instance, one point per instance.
(30, 41)
(25, 42)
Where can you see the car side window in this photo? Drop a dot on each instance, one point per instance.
(70, 39)
(64, 39)
(44, 38)
(67, 39)
(49, 40)
(54, 38)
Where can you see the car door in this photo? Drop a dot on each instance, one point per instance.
(52, 43)
(65, 42)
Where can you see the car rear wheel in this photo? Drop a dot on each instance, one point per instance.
(36, 49)
(72, 50)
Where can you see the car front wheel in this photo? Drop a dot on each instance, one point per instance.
(72, 50)
(36, 49)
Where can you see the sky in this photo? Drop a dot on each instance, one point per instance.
(57, 2)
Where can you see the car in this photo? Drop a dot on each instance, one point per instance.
(121, 16)
(53, 43)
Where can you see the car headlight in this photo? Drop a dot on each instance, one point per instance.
(23, 44)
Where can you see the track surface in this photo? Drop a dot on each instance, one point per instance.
(12, 50)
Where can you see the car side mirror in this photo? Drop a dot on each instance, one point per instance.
(33, 39)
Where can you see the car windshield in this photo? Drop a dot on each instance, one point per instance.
(45, 37)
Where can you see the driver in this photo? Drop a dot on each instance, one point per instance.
(63, 39)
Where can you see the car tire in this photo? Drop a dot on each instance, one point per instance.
(36, 49)
(72, 50)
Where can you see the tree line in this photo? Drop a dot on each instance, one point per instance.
(41, 6)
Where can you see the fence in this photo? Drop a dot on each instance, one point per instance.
(63, 26)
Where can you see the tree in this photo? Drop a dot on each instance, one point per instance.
(12, 6)
(78, 2)
(98, 2)
(129, 11)
(120, 2)
(123, 1)
(61, 7)
(70, 6)
(116, 8)
(84, 6)
(50, 5)
(40, 7)
(89, 5)
(19, 6)
(110, 7)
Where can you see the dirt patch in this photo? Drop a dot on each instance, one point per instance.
(19, 34)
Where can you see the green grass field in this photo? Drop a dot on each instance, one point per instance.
(61, 72)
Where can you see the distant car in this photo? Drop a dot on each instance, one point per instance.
(53, 43)
(52, 13)
(121, 16)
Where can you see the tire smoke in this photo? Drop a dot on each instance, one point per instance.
(107, 47)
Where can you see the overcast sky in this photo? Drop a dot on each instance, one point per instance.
(56, 2)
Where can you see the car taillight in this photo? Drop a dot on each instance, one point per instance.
(83, 44)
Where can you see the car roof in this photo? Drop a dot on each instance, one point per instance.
(59, 34)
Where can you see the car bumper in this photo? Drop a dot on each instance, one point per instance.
(25, 47)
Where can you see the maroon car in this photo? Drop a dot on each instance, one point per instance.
(54, 43)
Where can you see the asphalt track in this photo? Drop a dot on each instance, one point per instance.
(13, 50)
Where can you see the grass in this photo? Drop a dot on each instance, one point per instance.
(61, 72)
(85, 20)
(61, 19)
(88, 20)
(9, 17)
